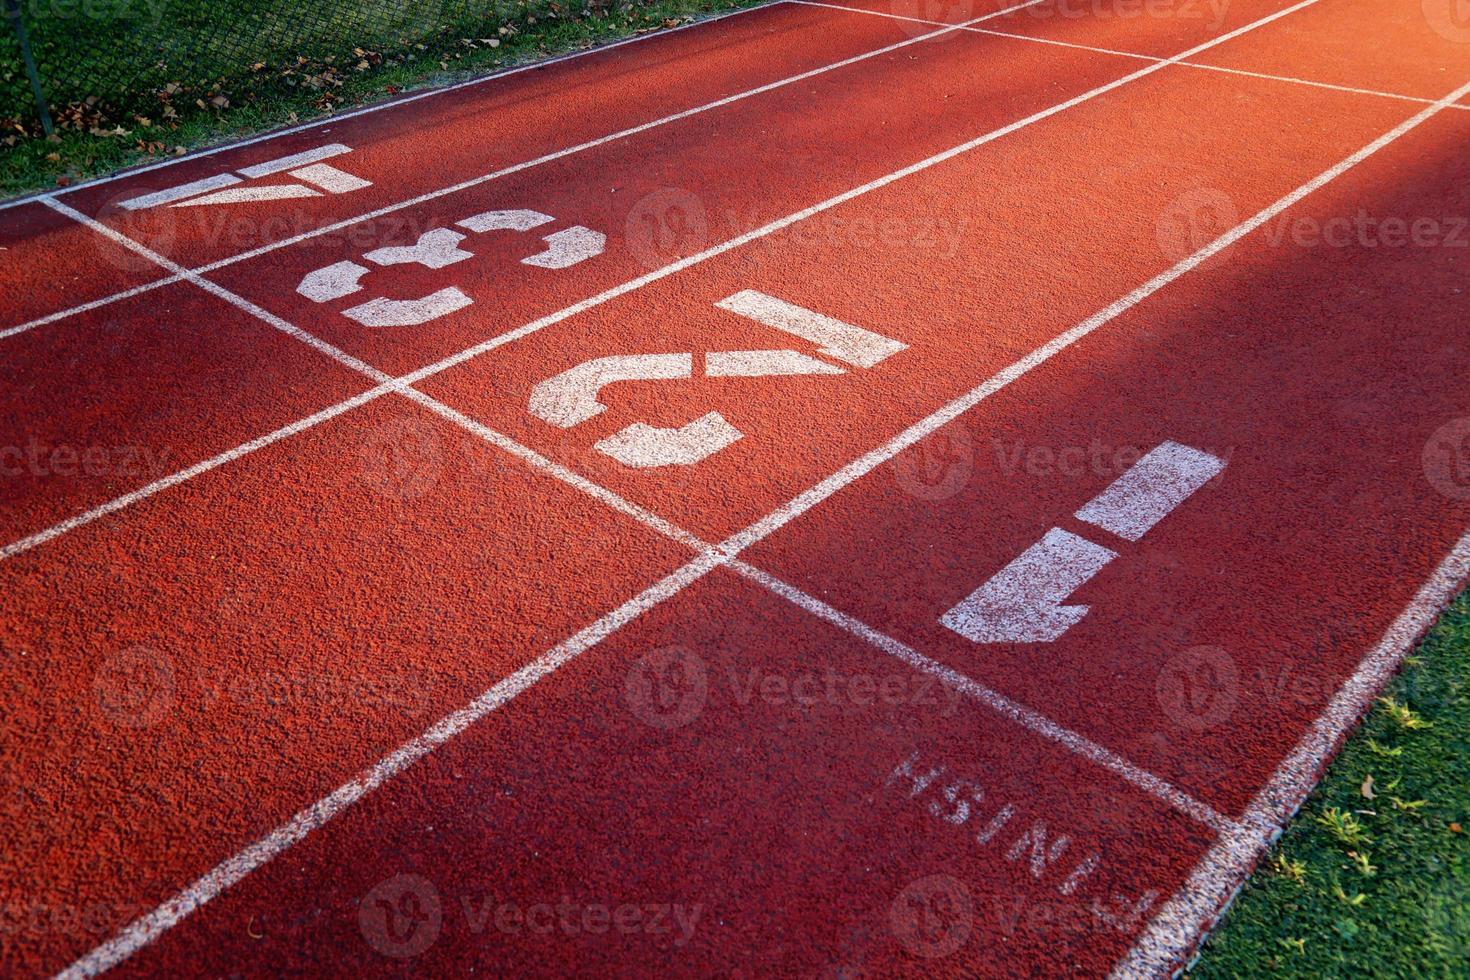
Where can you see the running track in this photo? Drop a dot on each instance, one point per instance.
(837, 489)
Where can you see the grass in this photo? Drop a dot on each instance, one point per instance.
(101, 134)
(1372, 878)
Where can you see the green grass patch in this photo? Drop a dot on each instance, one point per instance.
(254, 79)
(1372, 878)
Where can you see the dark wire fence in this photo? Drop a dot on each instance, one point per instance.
(101, 62)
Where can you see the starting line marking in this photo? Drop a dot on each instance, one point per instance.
(145, 930)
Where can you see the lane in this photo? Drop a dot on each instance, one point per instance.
(1071, 213)
(79, 265)
(652, 215)
(771, 795)
(1322, 362)
(141, 389)
(185, 677)
(477, 130)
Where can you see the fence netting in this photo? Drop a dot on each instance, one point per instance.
(101, 61)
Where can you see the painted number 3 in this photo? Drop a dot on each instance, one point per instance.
(435, 250)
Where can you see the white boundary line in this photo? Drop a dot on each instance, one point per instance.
(179, 273)
(331, 120)
(1377, 93)
(1181, 924)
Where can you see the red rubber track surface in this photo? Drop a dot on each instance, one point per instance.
(250, 578)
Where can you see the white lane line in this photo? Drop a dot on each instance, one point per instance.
(832, 202)
(88, 306)
(325, 123)
(1182, 922)
(1377, 93)
(1019, 713)
(145, 930)
(507, 171)
(919, 430)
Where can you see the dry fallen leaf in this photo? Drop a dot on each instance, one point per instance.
(1367, 788)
